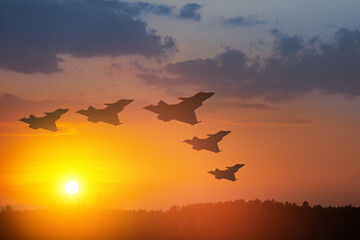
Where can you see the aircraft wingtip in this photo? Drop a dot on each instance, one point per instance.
(147, 107)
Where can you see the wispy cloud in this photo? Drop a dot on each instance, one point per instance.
(14, 107)
(239, 21)
(272, 122)
(66, 130)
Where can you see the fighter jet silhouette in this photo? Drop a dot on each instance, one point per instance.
(210, 143)
(183, 111)
(47, 122)
(107, 114)
(228, 174)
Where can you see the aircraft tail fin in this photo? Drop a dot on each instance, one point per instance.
(183, 98)
(92, 108)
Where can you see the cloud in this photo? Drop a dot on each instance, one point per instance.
(223, 104)
(272, 122)
(34, 32)
(115, 68)
(191, 11)
(294, 69)
(13, 107)
(256, 106)
(136, 8)
(287, 46)
(141, 67)
(237, 21)
(188, 11)
(65, 131)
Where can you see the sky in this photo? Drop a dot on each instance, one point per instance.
(286, 81)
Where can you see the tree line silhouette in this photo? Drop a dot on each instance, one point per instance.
(238, 219)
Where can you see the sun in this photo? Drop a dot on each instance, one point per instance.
(71, 187)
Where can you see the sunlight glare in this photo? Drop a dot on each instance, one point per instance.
(71, 187)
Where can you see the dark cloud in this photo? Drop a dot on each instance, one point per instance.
(188, 11)
(237, 21)
(294, 69)
(34, 32)
(136, 8)
(191, 11)
(285, 45)
(314, 40)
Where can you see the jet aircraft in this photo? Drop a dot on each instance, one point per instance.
(210, 143)
(47, 122)
(228, 174)
(183, 111)
(107, 114)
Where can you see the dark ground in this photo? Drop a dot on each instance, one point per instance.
(229, 220)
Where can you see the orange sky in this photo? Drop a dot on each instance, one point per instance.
(298, 152)
(286, 82)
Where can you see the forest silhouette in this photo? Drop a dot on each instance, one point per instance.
(237, 219)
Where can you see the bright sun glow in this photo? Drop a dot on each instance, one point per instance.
(71, 187)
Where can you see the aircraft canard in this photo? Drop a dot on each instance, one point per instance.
(107, 114)
(46, 122)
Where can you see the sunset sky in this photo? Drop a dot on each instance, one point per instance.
(286, 77)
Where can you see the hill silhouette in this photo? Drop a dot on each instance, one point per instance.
(238, 219)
